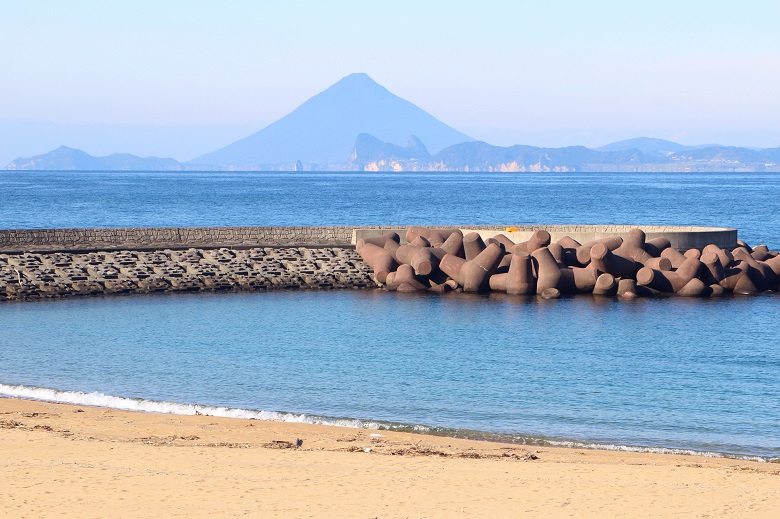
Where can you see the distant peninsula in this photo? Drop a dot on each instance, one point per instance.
(358, 125)
(70, 159)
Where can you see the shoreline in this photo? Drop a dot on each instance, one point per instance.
(140, 405)
(87, 462)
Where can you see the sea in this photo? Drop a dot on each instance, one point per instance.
(674, 375)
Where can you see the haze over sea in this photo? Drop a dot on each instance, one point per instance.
(663, 373)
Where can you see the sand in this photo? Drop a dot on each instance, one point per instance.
(82, 462)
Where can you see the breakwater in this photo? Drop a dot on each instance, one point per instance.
(446, 259)
(63, 274)
(54, 263)
(150, 238)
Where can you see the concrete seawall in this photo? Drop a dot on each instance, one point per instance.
(150, 238)
(145, 238)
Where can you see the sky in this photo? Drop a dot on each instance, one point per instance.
(181, 78)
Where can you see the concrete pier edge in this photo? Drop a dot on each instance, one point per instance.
(13, 241)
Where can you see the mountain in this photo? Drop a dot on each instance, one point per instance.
(65, 158)
(323, 129)
(371, 154)
(481, 156)
(651, 146)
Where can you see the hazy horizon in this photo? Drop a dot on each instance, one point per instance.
(184, 78)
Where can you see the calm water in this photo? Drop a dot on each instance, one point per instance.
(670, 373)
(747, 201)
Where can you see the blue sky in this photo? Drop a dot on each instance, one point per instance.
(177, 78)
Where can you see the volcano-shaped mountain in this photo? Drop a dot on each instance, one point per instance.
(323, 129)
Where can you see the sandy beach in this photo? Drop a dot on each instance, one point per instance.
(67, 461)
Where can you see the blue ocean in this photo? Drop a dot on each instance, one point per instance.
(669, 375)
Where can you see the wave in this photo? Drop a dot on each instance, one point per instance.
(97, 399)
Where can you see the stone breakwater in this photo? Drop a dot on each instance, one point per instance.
(54, 263)
(45, 275)
(446, 259)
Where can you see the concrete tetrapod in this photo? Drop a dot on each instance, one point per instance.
(419, 241)
(548, 274)
(713, 272)
(607, 261)
(732, 275)
(435, 236)
(519, 280)
(760, 273)
(605, 285)
(473, 245)
(694, 288)
(380, 241)
(669, 281)
(379, 259)
(500, 239)
(627, 288)
(476, 273)
(539, 239)
(556, 268)
(659, 264)
(473, 275)
(761, 253)
(403, 280)
(557, 250)
(633, 247)
(570, 251)
(774, 264)
(692, 253)
(676, 257)
(583, 252)
(656, 246)
(422, 259)
(745, 286)
(726, 258)
(578, 279)
(454, 244)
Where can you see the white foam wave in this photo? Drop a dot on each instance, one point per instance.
(96, 399)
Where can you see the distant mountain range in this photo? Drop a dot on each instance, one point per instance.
(357, 124)
(65, 158)
(481, 156)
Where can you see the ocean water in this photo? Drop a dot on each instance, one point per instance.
(747, 201)
(657, 374)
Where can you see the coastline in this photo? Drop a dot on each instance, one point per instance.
(83, 461)
(140, 405)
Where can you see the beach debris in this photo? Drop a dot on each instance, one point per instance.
(630, 266)
(298, 443)
(279, 444)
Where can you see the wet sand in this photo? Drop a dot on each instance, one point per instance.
(83, 462)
